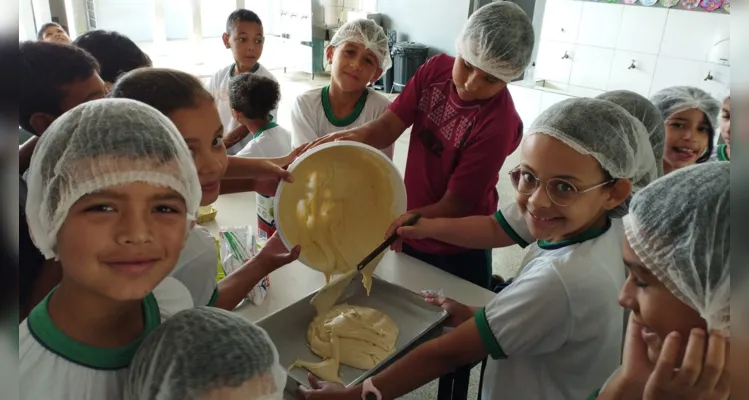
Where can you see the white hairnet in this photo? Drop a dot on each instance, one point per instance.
(679, 228)
(679, 98)
(647, 113)
(100, 144)
(607, 132)
(367, 33)
(201, 350)
(498, 39)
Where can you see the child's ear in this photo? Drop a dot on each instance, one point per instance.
(618, 193)
(376, 76)
(40, 122)
(236, 115)
(225, 38)
(329, 54)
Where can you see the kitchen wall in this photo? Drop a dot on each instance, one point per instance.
(587, 48)
(435, 23)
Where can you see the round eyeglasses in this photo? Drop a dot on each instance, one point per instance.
(561, 192)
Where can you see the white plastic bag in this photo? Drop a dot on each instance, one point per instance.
(237, 247)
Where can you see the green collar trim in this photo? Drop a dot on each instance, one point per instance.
(348, 120)
(722, 154)
(234, 66)
(46, 333)
(583, 237)
(269, 125)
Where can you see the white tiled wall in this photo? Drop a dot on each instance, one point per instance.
(602, 41)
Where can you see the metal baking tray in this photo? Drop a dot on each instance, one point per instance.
(417, 321)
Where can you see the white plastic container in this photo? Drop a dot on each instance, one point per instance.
(398, 202)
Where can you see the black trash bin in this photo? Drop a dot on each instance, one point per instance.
(385, 83)
(407, 58)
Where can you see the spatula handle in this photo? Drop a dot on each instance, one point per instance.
(390, 240)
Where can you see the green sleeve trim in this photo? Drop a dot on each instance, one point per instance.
(214, 297)
(594, 395)
(487, 336)
(509, 231)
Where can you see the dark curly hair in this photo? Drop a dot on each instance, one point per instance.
(241, 15)
(166, 90)
(253, 95)
(115, 52)
(44, 68)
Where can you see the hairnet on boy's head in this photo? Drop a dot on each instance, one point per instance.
(642, 109)
(367, 33)
(679, 228)
(201, 350)
(606, 131)
(498, 39)
(680, 98)
(101, 144)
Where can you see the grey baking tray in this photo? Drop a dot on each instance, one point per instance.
(416, 320)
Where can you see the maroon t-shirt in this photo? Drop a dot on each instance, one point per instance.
(455, 145)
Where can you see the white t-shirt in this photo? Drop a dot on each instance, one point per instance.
(312, 117)
(219, 89)
(54, 366)
(269, 141)
(197, 266)
(555, 332)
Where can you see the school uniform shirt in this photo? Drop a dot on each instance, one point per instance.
(720, 154)
(455, 145)
(219, 89)
(556, 331)
(54, 366)
(196, 267)
(270, 141)
(312, 117)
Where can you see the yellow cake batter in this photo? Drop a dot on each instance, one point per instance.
(337, 209)
(360, 337)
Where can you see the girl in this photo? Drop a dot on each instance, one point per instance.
(691, 117)
(723, 152)
(205, 353)
(359, 55)
(112, 194)
(678, 289)
(557, 327)
(182, 98)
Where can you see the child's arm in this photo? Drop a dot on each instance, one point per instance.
(427, 362)
(237, 134)
(258, 168)
(475, 232)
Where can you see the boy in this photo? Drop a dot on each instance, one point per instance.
(244, 36)
(115, 52)
(359, 55)
(723, 151)
(53, 32)
(53, 79)
(464, 126)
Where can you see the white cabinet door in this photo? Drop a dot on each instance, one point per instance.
(637, 79)
(642, 29)
(676, 72)
(599, 24)
(691, 34)
(561, 20)
(551, 63)
(720, 84)
(591, 67)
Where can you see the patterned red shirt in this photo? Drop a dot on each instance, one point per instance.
(455, 145)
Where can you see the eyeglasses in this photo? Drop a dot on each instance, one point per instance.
(561, 192)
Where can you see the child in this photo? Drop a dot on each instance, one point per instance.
(464, 126)
(557, 328)
(691, 117)
(244, 36)
(182, 98)
(252, 98)
(642, 109)
(359, 55)
(205, 353)
(677, 250)
(53, 32)
(49, 89)
(723, 152)
(115, 52)
(112, 194)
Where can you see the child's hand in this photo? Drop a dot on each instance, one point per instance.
(274, 254)
(326, 391)
(332, 137)
(459, 312)
(417, 231)
(703, 374)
